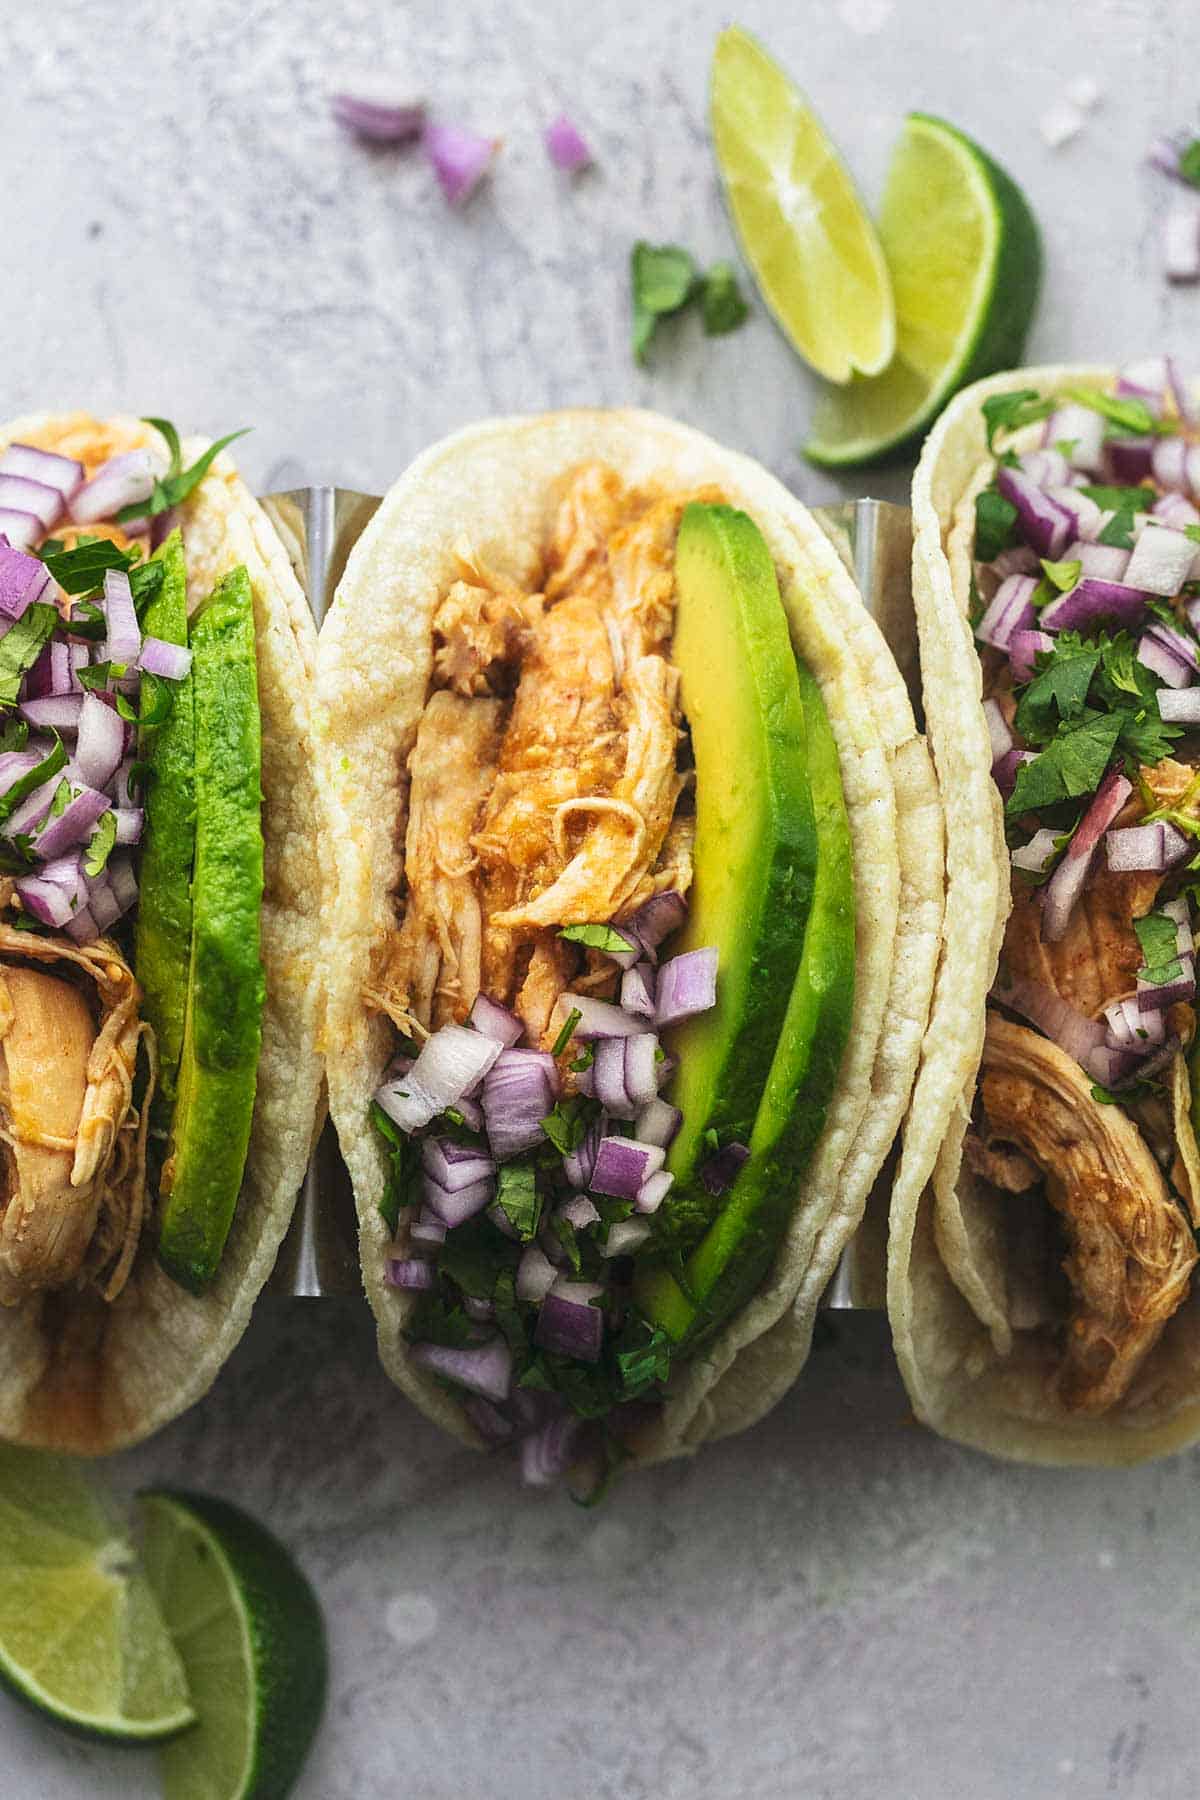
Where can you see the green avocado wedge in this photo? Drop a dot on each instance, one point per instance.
(756, 841)
(733, 1257)
(163, 934)
(223, 1026)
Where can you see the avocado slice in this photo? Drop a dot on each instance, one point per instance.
(163, 933)
(222, 1034)
(734, 1255)
(756, 840)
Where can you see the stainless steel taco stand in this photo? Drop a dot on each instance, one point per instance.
(320, 526)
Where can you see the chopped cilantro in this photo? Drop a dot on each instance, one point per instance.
(1121, 499)
(1125, 411)
(1062, 575)
(518, 1198)
(87, 621)
(584, 1060)
(662, 276)
(722, 306)
(473, 1255)
(1072, 764)
(100, 843)
(61, 800)
(1189, 163)
(404, 1159)
(1119, 530)
(14, 733)
(21, 646)
(98, 675)
(995, 525)
(599, 937)
(52, 762)
(1059, 689)
(1008, 412)
(178, 483)
(566, 1124)
(568, 1031)
(1159, 938)
(81, 571)
(157, 698)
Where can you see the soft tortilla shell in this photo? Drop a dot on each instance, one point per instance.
(85, 1377)
(967, 1375)
(491, 490)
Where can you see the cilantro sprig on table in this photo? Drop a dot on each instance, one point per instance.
(1090, 700)
(665, 280)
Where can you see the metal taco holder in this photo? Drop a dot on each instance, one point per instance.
(319, 527)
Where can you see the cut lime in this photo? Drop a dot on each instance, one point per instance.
(803, 228)
(249, 1630)
(82, 1639)
(966, 262)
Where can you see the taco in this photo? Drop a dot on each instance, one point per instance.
(1043, 1227)
(159, 1081)
(636, 898)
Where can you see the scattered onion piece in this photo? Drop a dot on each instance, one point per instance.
(460, 159)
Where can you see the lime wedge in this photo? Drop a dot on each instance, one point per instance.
(803, 228)
(82, 1639)
(247, 1625)
(966, 261)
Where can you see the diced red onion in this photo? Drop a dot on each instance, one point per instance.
(1061, 1022)
(427, 1229)
(1043, 524)
(459, 158)
(101, 742)
(26, 495)
(1011, 610)
(23, 579)
(1176, 464)
(546, 1453)
(1046, 468)
(451, 1063)
(1154, 847)
(1091, 600)
(608, 1076)
(1019, 559)
(1023, 648)
(1179, 706)
(1164, 661)
(1083, 429)
(73, 825)
(1147, 381)
(1107, 562)
(637, 990)
(130, 821)
(568, 1324)
(657, 918)
(1152, 997)
(58, 712)
(1066, 883)
(482, 1311)
(597, 1018)
(62, 473)
(67, 873)
(1173, 510)
(488, 1421)
(654, 1191)
(1004, 771)
(624, 1237)
(33, 808)
(536, 1275)
(486, 1369)
(1178, 389)
(1131, 1029)
(123, 881)
(376, 106)
(123, 480)
(171, 661)
(454, 1166)
(45, 901)
(1036, 856)
(455, 1207)
(687, 985)
(411, 1272)
(566, 145)
(1181, 240)
(721, 1170)
(999, 732)
(658, 1123)
(21, 529)
(579, 1163)
(103, 903)
(578, 1211)
(1177, 911)
(1160, 561)
(124, 639)
(495, 1021)
(82, 927)
(623, 1165)
(1085, 515)
(519, 1091)
(1128, 459)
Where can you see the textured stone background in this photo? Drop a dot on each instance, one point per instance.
(836, 1606)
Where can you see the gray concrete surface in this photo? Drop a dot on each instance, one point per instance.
(835, 1607)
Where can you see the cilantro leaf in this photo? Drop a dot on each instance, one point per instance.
(81, 570)
(567, 1122)
(21, 646)
(1071, 765)
(1121, 499)
(98, 675)
(1119, 530)
(404, 1172)
(722, 306)
(175, 487)
(1062, 575)
(1008, 412)
(1125, 411)
(662, 277)
(599, 937)
(995, 525)
(1159, 938)
(1059, 689)
(14, 733)
(518, 1198)
(1189, 163)
(645, 1358)
(87, 621)
(167, 431)
(100, 843)
(568, 1031)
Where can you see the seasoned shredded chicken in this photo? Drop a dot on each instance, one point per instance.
(72, 1197)
(1130, 1246)
(544, 783)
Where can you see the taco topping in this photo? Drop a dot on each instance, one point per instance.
(1086, 583)
(555, 1263)
(95, 684)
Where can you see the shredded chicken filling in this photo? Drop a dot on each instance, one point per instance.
(545, 785)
